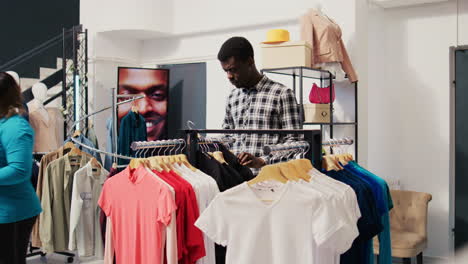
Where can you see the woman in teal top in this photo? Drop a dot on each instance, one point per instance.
(19, 204)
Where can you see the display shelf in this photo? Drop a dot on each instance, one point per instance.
(332, 124)
(296, 71)
(322, 75)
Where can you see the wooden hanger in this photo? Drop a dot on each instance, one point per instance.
(161, 162)
(134, 109)
(328, 163)
(76, 134)
(154, 165)
(69, 145)
(342, 159)
(337, 161)
(269, 172)
(289, 171)
(349, 157)
(185, 162)
(172, 159)
(74, 151)
(218, 155)
(302, 166)
(95, 163)
(137, 162)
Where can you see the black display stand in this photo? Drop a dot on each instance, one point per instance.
(322, 75)
(313, 137)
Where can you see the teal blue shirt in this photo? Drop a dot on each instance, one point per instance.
(18, 200)
(385, 247)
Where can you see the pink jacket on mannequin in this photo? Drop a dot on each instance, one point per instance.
(324, 36)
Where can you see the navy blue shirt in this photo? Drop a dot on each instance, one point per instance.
(375, 187)
(369, 225)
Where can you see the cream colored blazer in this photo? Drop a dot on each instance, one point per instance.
(324, 35)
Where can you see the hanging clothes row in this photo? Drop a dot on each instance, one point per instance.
(268, 204)
(69, 183)
(167, 189)
(374, 200)
(341, 211)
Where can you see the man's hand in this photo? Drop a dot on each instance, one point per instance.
(249, 160)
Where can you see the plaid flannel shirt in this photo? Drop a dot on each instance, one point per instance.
(268, 105)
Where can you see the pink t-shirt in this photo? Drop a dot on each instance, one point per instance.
(140, 208)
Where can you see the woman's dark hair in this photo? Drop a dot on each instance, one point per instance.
(11, 100)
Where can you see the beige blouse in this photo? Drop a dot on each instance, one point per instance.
(48, 133)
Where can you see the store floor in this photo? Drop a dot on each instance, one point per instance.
(59, 259)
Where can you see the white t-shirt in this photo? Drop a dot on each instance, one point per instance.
(206, 189)
(341, 198)
(289, 228)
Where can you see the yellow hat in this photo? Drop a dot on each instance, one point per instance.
(277, 36)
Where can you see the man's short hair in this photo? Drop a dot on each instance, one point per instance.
(237, 47)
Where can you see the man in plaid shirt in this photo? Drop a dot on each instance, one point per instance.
(256, 103)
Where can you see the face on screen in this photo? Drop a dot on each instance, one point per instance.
(153, 84)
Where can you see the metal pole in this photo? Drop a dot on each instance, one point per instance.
(114, 124)
(331, 107)
(86, 75)
(192, 147)
(294, 82)
(64, 81)
(75, 71)
(301, 88)
(356, 128)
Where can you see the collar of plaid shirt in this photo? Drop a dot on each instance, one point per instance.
(259, 86)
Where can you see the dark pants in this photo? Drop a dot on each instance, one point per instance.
(14, 240)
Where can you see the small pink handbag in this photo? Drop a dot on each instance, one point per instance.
(321, 95)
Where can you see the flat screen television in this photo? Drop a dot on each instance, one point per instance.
(154, 85)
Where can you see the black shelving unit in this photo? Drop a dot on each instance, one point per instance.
(322, 75)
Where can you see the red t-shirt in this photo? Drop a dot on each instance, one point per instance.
(190, 242)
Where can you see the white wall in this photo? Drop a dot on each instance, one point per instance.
(188, 45)
(409, 105)
(149, 17)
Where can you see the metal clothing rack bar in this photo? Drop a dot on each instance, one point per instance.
(114, 109)
(137, 145)
(100, 151)
(215, 140)
(313, 137)
(335, 142)
(102, 110)
(299, 145)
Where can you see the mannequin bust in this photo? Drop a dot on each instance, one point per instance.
(39, 91)
(15, 76)
(318, 6)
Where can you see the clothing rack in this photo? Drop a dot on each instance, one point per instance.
(299, 145)
(214, 140)
(337, 142)
(313, 137)
(114, 105)
(137, 145)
